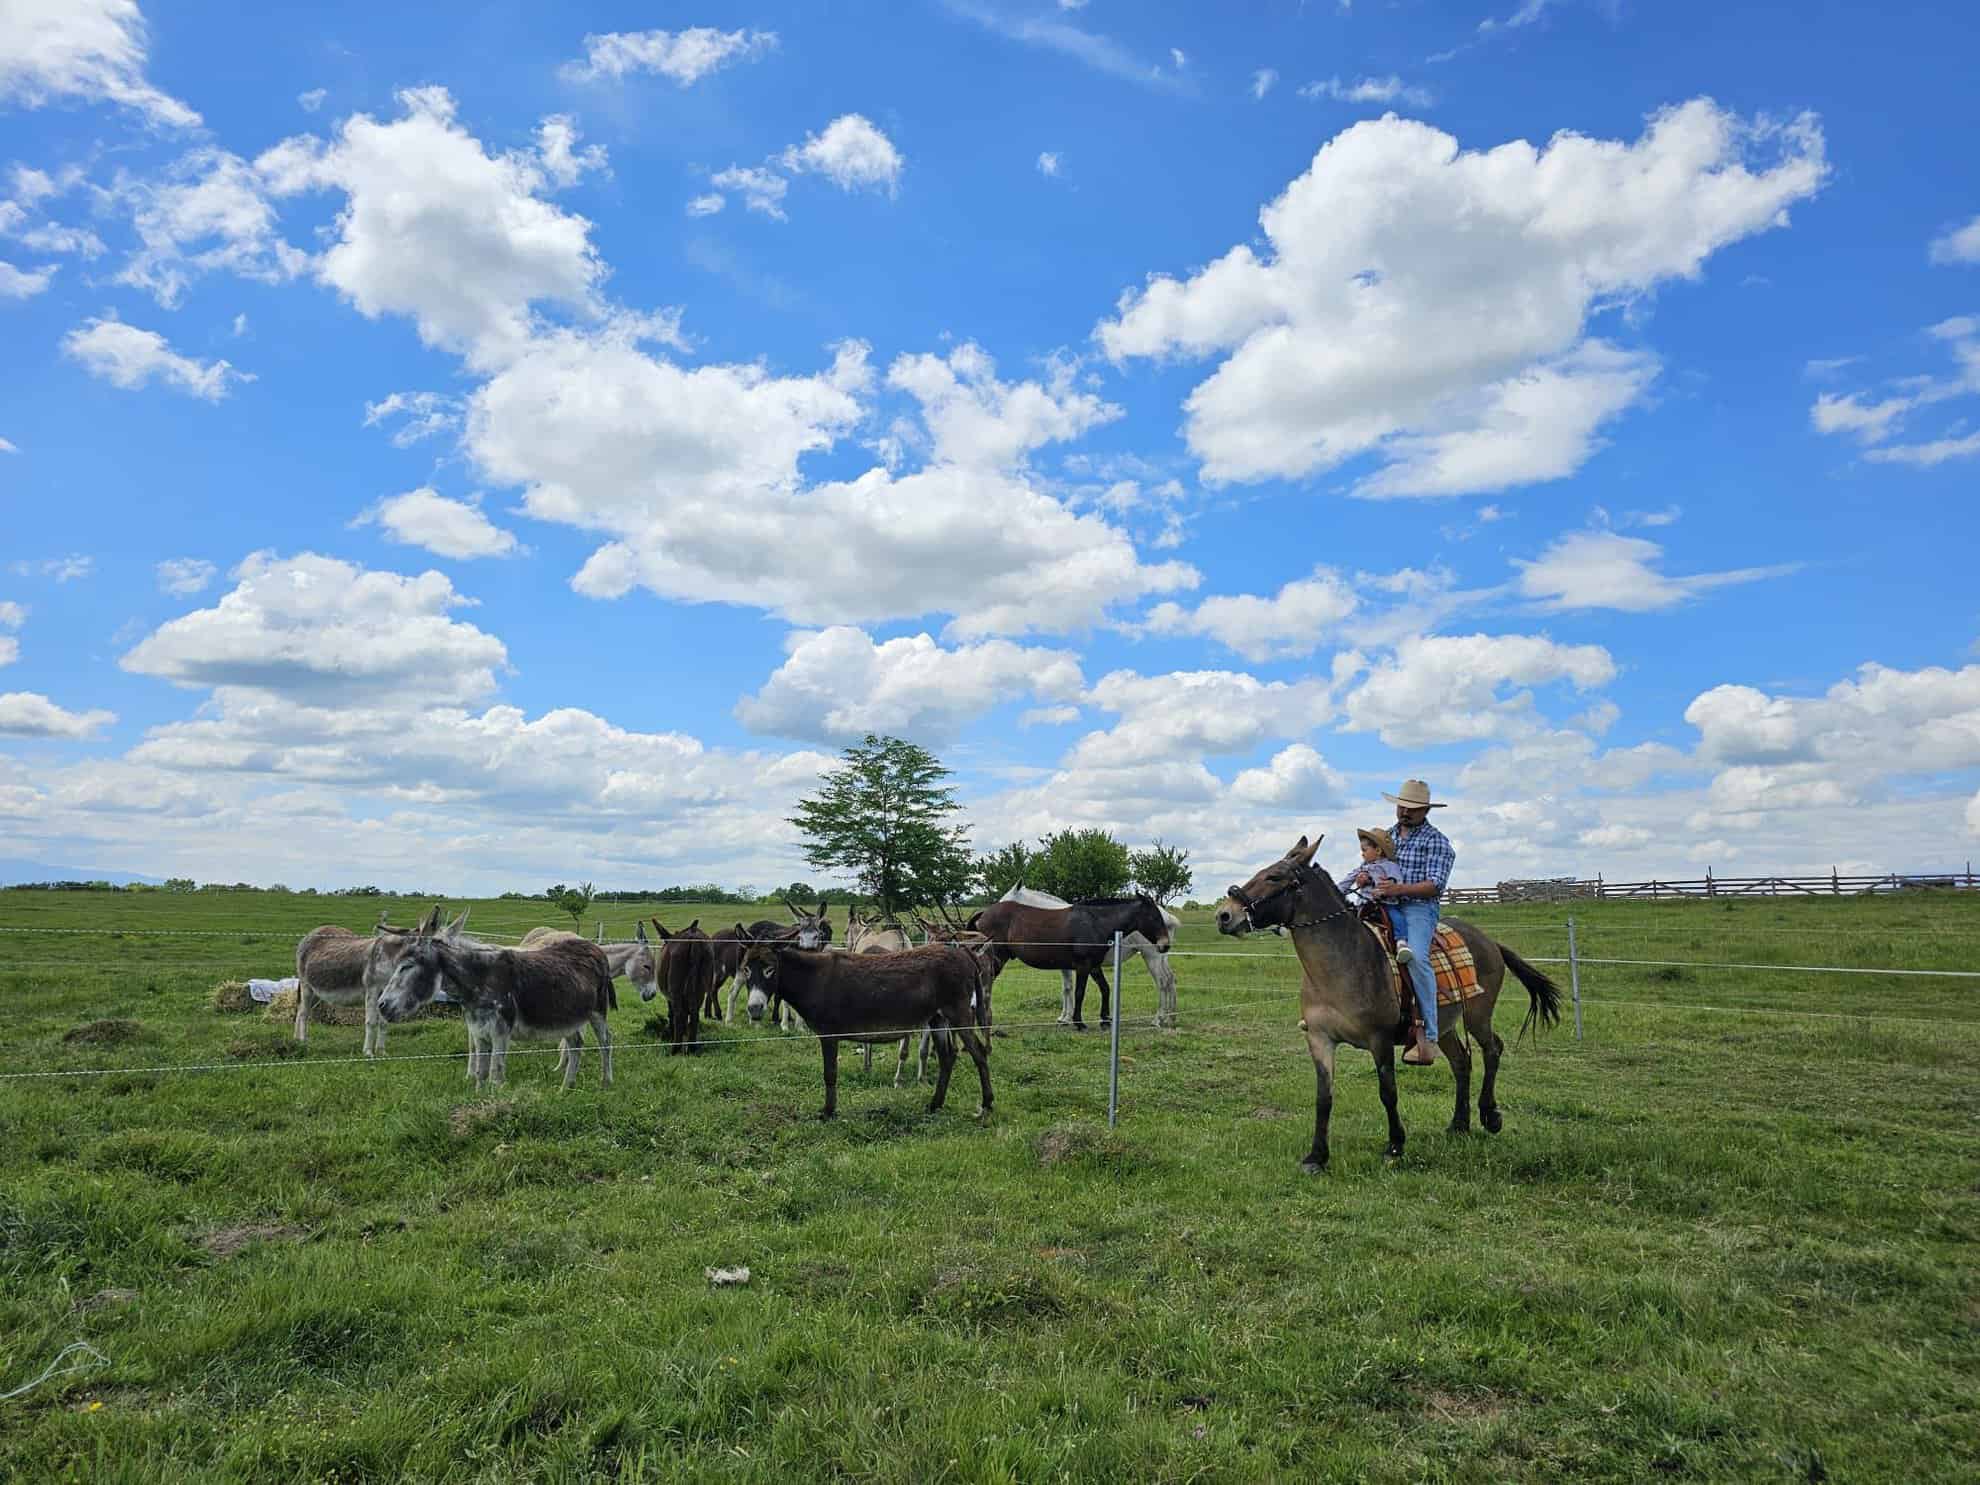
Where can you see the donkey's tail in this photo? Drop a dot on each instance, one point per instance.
(1546, 995)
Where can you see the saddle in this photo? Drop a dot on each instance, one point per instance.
(1450, 959)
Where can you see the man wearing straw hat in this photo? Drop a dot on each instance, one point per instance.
(1423, 866)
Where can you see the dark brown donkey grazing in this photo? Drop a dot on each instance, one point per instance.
(1078, 938)
(1348, 993)
(556, 989)
(876, 997)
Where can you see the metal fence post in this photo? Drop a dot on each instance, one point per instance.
(1114, 1042)
(1574, 978)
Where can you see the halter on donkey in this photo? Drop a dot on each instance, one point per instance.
(1347, 993)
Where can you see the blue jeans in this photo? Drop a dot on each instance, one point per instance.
(1418, 928)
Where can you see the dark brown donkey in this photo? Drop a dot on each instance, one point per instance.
(876, 997)
(687, 975)
(1348, 993)
(1078, 938)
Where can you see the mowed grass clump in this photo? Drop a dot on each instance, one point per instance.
(1730, 1235)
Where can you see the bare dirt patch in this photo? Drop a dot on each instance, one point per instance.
(103, 1299)
(115, 1029)
(277, 1046)
(1443, 1406)
(468, 1117)
(225, 1242)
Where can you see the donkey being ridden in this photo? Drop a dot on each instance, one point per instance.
(556, 989)
(342, 968)
(1078, 938)
(1348, 993)
(877, 997)
(632, 958)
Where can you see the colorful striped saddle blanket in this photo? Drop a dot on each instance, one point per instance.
(1450, 957)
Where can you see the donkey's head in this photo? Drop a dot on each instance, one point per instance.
(423, 969)
(1149, 922)
(814, 929)
(759, 970)
(1268, 899)
(642, 968)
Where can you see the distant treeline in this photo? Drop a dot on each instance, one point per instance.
(695, 892)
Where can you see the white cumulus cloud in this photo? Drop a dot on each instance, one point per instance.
(1293, 621)
(30, 714)
(436, 228)
(1958, 244)
(128, 357)
(447, 528)
(183, 576)
(1429, 306)
(684, 56)
(851, 153)
(1604, 569)
(87, 50)
(838, 684)
(317, 629)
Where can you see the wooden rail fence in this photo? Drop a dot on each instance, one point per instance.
(1835, 884)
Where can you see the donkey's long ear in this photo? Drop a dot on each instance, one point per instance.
(694, 927)
(640, 929)
(455, 928)
(789, 909)
(431, 921)
(661, 929)
(1297, 846)
(1303, 853)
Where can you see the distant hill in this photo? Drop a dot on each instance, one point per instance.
(13, 873)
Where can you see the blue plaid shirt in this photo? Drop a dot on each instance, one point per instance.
(1425, 856)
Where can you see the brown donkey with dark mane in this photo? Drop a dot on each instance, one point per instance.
(687, 976)
(877, 997)
(1348, 992)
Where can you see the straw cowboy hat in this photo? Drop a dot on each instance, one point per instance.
(1381, 840)
(1415, 795)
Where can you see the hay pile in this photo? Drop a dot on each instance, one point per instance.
(232, 995)
(321, 1012)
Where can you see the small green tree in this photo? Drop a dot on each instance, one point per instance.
(1004, 868)
(572, 900)
(1161, 871)
(885, 816)
(1080, 863)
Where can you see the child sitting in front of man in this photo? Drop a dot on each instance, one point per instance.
(1378, 855)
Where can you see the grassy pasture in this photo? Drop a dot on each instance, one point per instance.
(1729, 1236)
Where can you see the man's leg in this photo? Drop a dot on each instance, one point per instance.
(1420, 926)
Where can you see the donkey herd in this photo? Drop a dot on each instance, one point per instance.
(879, 987)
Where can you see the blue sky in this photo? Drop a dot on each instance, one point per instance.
(469, 446)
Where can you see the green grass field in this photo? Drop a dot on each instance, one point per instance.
(1730, 1235)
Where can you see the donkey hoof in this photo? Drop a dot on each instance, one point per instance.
(1457, 1126)
(1394, 1152)
(1081, 1026)
(1105, 1022)
(1312, 1167)
(1492, 1119)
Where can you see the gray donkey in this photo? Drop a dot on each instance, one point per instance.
(556, 989)
(342, 967)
